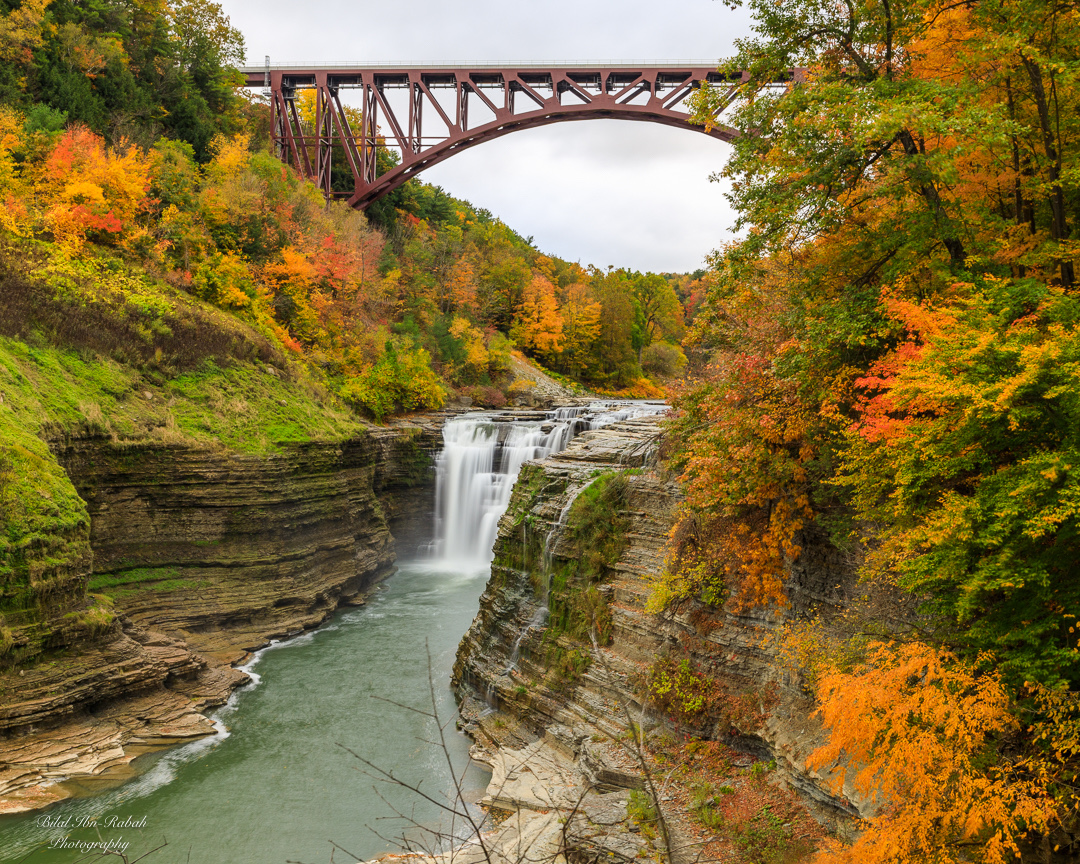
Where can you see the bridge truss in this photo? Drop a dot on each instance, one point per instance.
(448, 109)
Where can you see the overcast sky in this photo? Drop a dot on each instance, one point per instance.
(604, 192)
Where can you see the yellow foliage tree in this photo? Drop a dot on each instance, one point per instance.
(581, 326)
(476, 353)
(21, 31)
(13, 211)
(225, 281)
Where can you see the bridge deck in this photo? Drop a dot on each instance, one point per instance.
(304, 73)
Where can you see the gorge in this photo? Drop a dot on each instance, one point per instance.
(263, 454)
(280, 744)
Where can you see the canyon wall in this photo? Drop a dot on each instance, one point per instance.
(545, 682)
(195, 557)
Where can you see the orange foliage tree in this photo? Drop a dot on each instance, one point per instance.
(538, 326)
(85, 190)
(915, 730)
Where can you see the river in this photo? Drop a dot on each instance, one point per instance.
(276, 784)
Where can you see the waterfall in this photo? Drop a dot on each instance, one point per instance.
(479, 463)
(539, 617)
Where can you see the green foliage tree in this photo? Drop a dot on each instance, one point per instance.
(614, 361)
(402, 379)
(130, 71)
(659, 313)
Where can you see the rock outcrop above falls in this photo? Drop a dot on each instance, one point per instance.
(518, 659)
(200, 556)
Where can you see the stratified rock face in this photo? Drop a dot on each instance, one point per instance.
(502, 649)
(405, 480)
(228, 550)
(203, 555)
(507, 658)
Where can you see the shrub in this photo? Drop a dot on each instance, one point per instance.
(488, 397)
(703, 802)
(566, 664)
(684, 693)
(642, 812)
(663, 360)
(402, 379)
(225, 281)
(519, 388)
(7, 640)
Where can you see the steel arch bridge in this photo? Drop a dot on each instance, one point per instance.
(479, 103)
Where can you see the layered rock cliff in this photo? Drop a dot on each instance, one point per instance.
(583, 684)
(196, 556)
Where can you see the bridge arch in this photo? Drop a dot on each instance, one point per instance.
(428, 132)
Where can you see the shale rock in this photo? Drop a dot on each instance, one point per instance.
(554, 816)
(505, 659)
(203, 555)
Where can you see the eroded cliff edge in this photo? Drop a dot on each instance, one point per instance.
(194, 557)
(526, 670)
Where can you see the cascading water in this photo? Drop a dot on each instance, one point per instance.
(539, 617)
(481, 457)
(475, 475)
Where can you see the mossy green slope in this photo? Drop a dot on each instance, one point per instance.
(91, 348)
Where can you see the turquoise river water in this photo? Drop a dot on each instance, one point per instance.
(276, 787)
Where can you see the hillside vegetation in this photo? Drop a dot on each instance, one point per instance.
(164, 278)
(894, 364)
(124, 136)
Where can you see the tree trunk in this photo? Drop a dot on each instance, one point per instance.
(1059, 228)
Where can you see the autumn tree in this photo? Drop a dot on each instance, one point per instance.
(614, 362)
(84, 189)
(746, 439)
(21, 30)
(473, 364)
(871, 184)
(888, 352)
(659, 313)
(128, 71)
(913, 729)
(459, 288)
(502, 286)
(581, 326)
(538, 327)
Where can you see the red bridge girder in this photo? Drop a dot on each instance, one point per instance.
(520, 97)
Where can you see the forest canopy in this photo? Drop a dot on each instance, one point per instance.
(891, 368)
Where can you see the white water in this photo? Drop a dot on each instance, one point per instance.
(481, 457)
